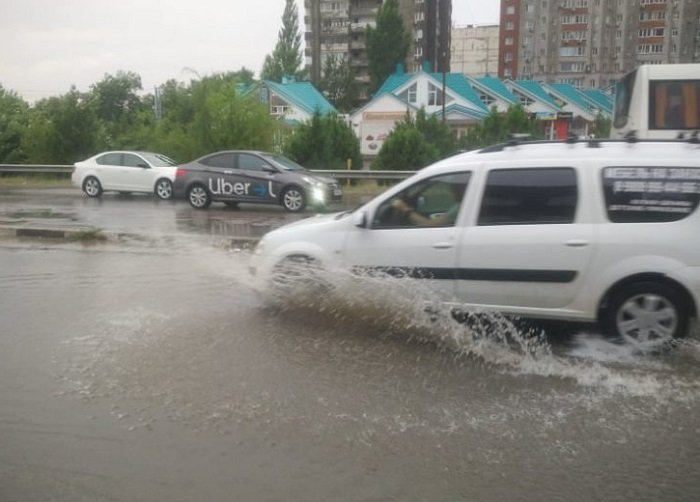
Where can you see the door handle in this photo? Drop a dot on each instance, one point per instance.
(577, 243)
(228, 172)
(443, 245)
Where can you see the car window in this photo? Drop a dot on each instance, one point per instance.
(650, 194)
(131, 160)
(529, 196)
(110, 159)
(432, 202)
(224, 160)
(158, 160)
(284, 162)
(251, 162)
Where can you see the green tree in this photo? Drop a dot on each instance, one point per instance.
(324, 142)
(387, 44)
(13, 126)
(338, 83)
(61, 130)
(601, 127)
(224, 118)
(497, 126)
(285, 59)
(416, 143)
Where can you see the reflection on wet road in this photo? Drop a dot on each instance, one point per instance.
(164, 372)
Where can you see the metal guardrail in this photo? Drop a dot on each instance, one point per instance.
(345, 174)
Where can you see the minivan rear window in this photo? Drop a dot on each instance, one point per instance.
(650, 194)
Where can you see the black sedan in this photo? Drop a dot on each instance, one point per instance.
(251, 176)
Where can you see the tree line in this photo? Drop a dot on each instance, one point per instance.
(219, 112)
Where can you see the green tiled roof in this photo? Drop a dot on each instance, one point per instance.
(302, 94)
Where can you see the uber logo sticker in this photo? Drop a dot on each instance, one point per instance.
(219, 186)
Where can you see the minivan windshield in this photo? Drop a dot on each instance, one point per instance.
(284, 162)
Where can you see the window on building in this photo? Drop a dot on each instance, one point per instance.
(434, 95)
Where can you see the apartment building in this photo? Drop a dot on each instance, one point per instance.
(337, 27)
(474, 49)
(592, 43)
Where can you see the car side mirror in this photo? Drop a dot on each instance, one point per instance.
(141, 164)
(269, 169)
(359, 219)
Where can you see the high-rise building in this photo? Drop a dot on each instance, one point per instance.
(475, 49)
(337, 27)
(591, 43)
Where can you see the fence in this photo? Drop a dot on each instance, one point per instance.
(341, 174)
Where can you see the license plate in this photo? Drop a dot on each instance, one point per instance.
(337, 192)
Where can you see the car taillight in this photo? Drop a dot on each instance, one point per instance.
(180, 172)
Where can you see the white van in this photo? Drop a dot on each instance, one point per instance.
(603, 231)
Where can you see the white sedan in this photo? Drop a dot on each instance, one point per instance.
(126, 172)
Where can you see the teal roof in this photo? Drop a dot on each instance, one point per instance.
(470, 112)
(572, 95)
(600, 98)
(536, 89)
(302, 94)
(393, 82)
(456, 82)
(497, 87)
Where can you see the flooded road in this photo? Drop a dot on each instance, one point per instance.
(159, 370)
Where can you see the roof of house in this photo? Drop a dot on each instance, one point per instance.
(303, 95)
(534, 88)
(497, 87)
(570, 94)
(602, 99)
(456, 82)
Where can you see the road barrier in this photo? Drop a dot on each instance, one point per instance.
(341, 174)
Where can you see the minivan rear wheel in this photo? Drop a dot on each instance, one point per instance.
(648, 314)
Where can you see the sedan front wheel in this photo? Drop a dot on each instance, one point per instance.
(293, 199)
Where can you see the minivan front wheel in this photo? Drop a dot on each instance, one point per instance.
(293, 199)
(647, 314)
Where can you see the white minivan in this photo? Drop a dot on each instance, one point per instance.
(594, 231)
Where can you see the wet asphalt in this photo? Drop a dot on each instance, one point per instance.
(150, 366)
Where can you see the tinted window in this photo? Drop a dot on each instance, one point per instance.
(251, 162)
(529, 196)
(110, 159)
(650, 194)
(130, 160)
(432, 202)
(219, 160)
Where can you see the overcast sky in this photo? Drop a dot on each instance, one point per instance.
(49, 45)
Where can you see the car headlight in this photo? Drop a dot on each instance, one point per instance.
(311, 181)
